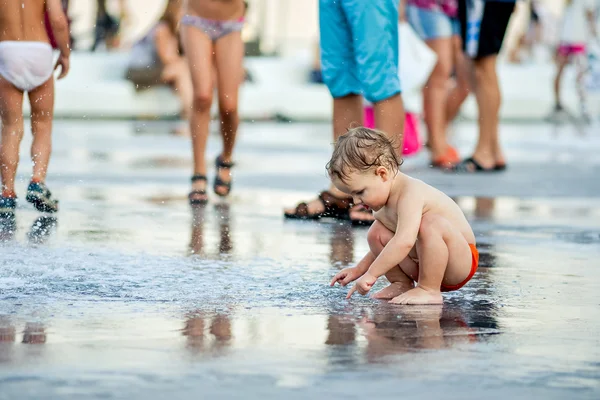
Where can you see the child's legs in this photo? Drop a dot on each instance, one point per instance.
(378, 237)
(444, 254)
(42, 111)
(229, 54)
(581, 69)
(199, 52)
(11, 113)
(561, 62)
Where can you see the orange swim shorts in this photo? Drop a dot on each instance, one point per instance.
(474, 265)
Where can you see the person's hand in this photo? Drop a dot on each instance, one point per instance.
(63, 62)
(363, 285)
(345, 276)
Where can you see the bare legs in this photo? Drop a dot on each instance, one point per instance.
(42, 112)
(11, 111)
(488, 152)
(561, 63)
(378, 237)
(226, 55)
(443, 254)
(229, 54)
(441, 106)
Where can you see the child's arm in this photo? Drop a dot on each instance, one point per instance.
(348, 275)
(410, 210)
(167, 53)
(60, 30)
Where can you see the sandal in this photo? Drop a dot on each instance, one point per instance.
(470, 166)
(362, 222)
(220, 164)
(333, 207)
(446, 160)
(193, 196)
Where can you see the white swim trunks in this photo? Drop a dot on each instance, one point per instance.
(26, 65)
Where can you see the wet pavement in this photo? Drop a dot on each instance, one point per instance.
(127, 293)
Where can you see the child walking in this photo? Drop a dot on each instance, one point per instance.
(212, 40)
(26, 65)
(420, 240)
(579, 25)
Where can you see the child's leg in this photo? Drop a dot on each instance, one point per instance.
(229, 54)
(561, 62)
(444, 257)
(42, 111)
(11, 112)
(199, 52)
(378, 237)
(581, 68)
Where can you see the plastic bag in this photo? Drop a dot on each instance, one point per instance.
(417, 60)
(592, 82)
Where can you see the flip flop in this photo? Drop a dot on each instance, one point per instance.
(470, 166)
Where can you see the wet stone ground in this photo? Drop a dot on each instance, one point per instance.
(127, 293)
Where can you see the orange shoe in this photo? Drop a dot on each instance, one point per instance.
(446, 160)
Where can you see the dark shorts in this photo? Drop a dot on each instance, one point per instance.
(483, 25)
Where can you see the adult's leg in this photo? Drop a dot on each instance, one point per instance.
(42, 112)
(11, 114)
(178, 74)
(487, 25)
(229, 54)
(435, 96)
(461, 90)
(338, 66)
(199, 52)
(488, 151)
(374, 26)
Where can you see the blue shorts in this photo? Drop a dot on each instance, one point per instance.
(359, 47)
(432, 24)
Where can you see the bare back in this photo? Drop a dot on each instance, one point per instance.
(23, 20)
(223, 10)
(435, 202)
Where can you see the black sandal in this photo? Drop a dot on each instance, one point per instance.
(363, 210)
(220, 164)
(333, 207)
(194, 201)
(470, 166)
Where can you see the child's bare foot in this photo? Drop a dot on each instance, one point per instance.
(393, 290)
(418, 296)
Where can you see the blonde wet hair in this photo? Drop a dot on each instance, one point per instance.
(362, 149)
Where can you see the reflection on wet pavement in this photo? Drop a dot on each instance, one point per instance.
(129, 293)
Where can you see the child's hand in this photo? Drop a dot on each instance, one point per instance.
(363, 285)
(346, 276)
(63, 63)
